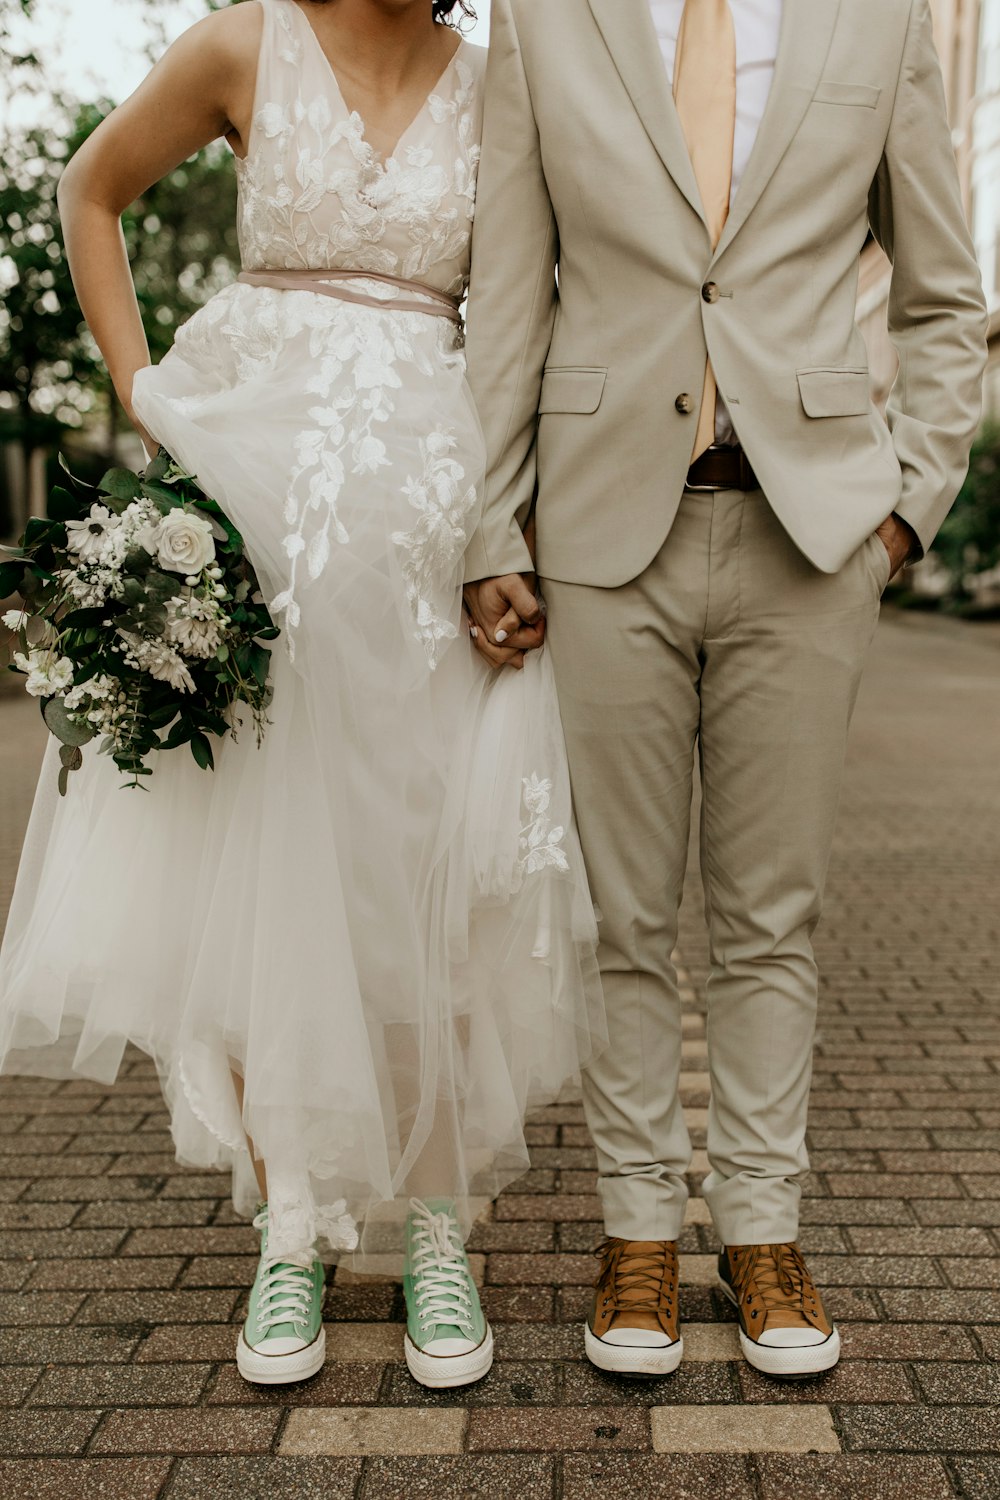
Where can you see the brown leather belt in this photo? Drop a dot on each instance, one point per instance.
(722, 468)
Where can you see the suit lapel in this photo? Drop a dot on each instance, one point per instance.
(806, 33)
(630, 37)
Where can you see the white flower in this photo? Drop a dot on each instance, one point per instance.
(141, 525)
(193, 626)
(47, 673)
(166, 666)
(159, 660)
(184, 542)
(14, 619)
(88, 539)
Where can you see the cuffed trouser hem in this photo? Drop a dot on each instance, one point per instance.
(638, 1208)
(749, 1210)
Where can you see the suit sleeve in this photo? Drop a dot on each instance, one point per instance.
(937, 312)
(512, 301)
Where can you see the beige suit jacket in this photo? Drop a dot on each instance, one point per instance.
(588, 387)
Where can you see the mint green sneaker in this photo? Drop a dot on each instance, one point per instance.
(448, 1340)
(283, 1337)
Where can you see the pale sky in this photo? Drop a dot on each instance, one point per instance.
(96, 49)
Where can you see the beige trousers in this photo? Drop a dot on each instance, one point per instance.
(731, 642)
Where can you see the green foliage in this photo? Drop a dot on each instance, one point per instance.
(115, 642)
(181, 240)
(969, 541)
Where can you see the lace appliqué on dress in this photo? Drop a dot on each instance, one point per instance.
(432, 549)
(539, 843)
(296, 1221)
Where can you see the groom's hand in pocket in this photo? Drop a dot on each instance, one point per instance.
(506, 617)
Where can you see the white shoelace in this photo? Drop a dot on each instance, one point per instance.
(286, 1287)
(440, 1270)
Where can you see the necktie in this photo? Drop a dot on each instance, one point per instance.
(705, 95)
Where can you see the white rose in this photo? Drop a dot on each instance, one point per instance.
(184, 542)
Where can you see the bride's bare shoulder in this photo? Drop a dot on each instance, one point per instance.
(232, 34)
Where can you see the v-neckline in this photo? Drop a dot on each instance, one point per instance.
(354, 114)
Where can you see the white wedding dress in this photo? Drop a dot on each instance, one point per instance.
(381, 916)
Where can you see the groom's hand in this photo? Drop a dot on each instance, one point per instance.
(506, 618)
(899, 540)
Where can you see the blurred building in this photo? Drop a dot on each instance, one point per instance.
(968, 38)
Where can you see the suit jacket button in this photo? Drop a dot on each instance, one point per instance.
(684, 404)
(710, 292)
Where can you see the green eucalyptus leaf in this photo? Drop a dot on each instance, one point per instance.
(65, 728)
(63, 781)
(71, 756)
(162, 586)
(121, 484)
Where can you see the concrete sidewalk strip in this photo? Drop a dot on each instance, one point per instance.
(710, 1343)
(364, 1343)
(743, 1429)
(699, 1270)
(374, 1430)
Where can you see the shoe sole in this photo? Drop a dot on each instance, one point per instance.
(280, 1369)
(623, 1359)
(442, 1372)
(800, 1363)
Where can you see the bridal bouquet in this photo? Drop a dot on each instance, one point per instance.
(142, 620)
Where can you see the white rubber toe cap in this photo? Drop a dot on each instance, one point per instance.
(792, 1338)
(636, 1338)
(450, 1348)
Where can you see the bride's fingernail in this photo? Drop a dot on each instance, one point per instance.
(501, 637)
(474, 632)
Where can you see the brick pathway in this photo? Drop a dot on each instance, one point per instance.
(123, 1277)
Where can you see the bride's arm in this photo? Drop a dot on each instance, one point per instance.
(201, 89)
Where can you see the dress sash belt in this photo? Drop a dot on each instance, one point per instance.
(325, 282)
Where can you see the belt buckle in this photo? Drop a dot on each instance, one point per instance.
(708, 489)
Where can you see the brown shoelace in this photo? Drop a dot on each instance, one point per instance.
(777, 1275)
(642, 1281)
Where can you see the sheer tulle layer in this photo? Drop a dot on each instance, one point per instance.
(380, 917)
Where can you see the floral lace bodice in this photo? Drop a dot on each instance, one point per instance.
(313, 194)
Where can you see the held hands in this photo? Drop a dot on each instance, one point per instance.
(505, 619)
(899, 540)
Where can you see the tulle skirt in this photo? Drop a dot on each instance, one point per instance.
(380, 917)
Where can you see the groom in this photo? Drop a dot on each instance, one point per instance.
(674, 195)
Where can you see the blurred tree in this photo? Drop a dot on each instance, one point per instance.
(181, 240)
(969, 540)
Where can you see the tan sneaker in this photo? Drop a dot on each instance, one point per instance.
(783, 1328)
(633, 1325)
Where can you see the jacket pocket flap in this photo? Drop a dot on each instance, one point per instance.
(834, 393)
(863, 94)
(577, 389)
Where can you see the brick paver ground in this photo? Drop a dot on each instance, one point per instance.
(123, 1276)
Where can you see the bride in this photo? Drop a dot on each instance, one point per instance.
(359, 954)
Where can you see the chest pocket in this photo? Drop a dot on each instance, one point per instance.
(577, 388)
(860, 95)
(834, 393)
